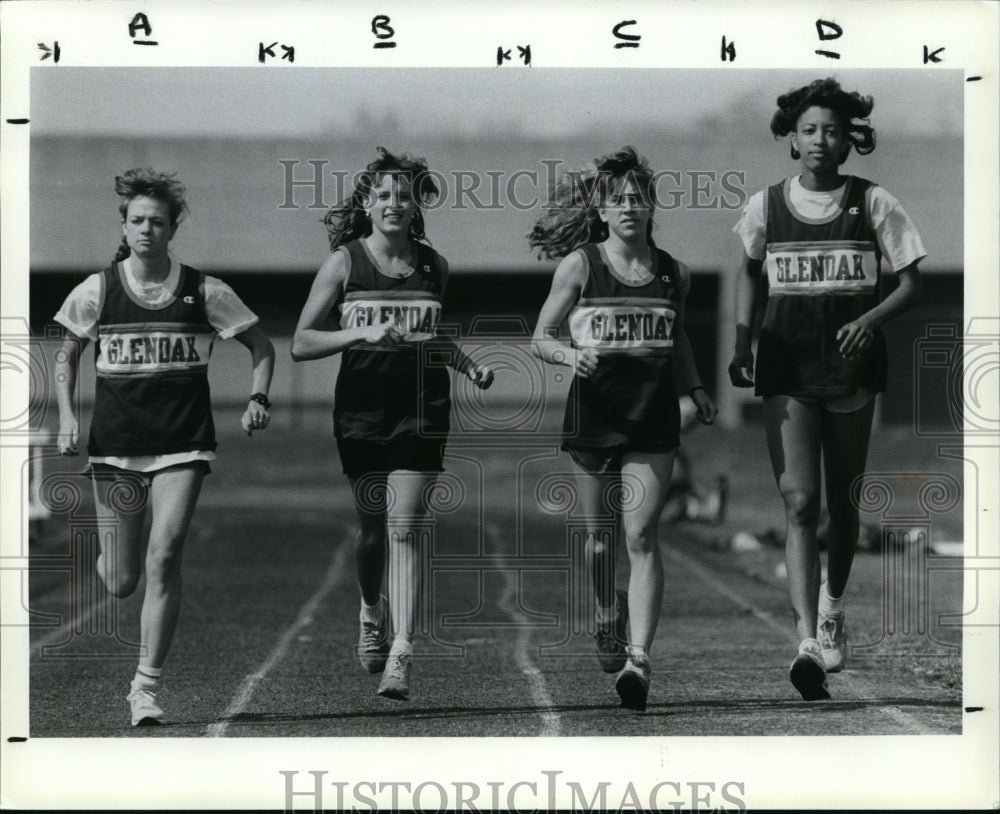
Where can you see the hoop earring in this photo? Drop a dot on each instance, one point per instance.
(796, 155)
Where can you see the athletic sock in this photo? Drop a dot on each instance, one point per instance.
(373, 614)
(401, 647)
(827, 604)
(637, 653)
(809, 645)
(606, 616)
(146, 678)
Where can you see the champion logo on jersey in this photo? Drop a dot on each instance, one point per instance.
(189, 300)
(853, 211)
(665, 278)
(427, 269)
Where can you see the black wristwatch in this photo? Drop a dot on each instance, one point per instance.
(261, 399)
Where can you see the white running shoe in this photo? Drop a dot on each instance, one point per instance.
(373, 642)
(145, 710)
(632, 684)
(396, 678)
(808, 673)
(832, 634)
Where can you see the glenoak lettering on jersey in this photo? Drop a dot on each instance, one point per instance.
(638, 326)
(818, 268)
(806, 267)
(407, 317)
(148, 350)
(608, 327)
(416, 316)
(152, 351)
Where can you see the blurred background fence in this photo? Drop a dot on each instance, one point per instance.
(261, 158)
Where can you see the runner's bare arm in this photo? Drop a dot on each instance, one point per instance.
(685, 370)
(567, 285)
(854, 336)
(311, 341)
(66, 368)
(257, 416)
(748, 277)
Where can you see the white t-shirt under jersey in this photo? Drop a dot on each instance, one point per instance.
(225, 311)
(898, 239)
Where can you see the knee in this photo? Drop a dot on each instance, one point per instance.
(120, 585)
(844, 526)
(371, 535)
(841, 506)
(801, 506)
(641, 536)
(122, 588)
(163, 564)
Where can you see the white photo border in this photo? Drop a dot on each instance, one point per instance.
(925, 771)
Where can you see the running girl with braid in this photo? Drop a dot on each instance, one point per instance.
(154, 321)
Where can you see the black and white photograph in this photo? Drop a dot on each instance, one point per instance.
(462, 408)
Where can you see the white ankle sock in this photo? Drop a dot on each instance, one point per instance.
(373, 614)
(609, 614)
(147, 677)
(636, 652)
(809, 644)
(827, 604)
(401, 646)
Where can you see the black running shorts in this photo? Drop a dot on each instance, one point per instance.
(406, 452)
(608, 460)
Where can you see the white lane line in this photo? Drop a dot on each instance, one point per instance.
(303, 620)
(858, 686)
(730, 593)
(551, 722)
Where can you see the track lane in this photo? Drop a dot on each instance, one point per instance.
(256, 557)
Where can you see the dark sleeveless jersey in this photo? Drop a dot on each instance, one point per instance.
(820, 276)
(152, 395)
(630, 398)
(385, 393)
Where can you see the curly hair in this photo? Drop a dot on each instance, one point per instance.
(850, 108)
(144, 182)
(349, 220)
(573, 219)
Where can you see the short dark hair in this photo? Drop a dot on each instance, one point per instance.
(144, 182)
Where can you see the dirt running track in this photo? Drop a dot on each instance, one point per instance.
(265, 643)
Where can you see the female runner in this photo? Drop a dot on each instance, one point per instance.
(624, 298)
(151, 435)
(391, 405)
(821, 356)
